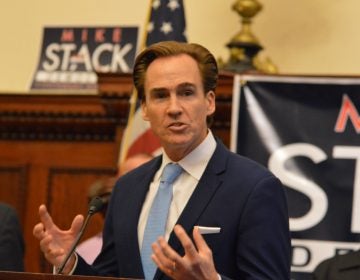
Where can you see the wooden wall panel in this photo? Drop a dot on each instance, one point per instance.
(67, 195)
(13, 181)
(51, 173)
(67, 191)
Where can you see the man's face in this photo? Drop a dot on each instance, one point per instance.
(176, 105)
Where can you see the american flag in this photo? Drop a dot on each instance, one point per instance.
(166, 22)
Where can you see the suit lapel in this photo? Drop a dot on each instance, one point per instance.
(209, 183)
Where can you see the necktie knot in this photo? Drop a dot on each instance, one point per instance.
(170, 173)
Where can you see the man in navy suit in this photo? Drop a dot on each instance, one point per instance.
(11, 240)
(228, 215)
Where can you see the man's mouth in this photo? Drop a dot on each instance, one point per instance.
(178, 126)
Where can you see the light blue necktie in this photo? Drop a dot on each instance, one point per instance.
(158, 215)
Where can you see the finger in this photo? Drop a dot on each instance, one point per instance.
(200, 242)
(54, 256)
(169, 253)
(159, 252)
(44, 243)
(161, 258)
(49, 249)
(158, 256)
(185, 241)
(38, 231)
(77, 224)
(45, 217)
(53, 253)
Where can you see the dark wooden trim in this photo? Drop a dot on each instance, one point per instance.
(21, 201)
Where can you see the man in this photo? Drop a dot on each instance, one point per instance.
(240, 203)
(11, 240)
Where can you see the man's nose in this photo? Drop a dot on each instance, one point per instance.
(174, 105)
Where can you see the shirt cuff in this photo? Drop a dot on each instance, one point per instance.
(55, 269)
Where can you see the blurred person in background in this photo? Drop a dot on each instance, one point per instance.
(11, 240)
(90, 248)
(345, 267)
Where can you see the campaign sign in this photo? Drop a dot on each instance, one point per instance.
(306, 130)
(71, 56)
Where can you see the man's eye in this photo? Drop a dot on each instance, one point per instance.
(187, 93)
(160, 95)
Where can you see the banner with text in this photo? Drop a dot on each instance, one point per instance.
(306, 130)
(71, 56)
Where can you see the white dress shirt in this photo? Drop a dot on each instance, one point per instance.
(194, 165)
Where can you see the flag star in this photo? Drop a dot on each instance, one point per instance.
(173, 5)
(156, 4)
(150, 27)
(185, 34)
(166, 27)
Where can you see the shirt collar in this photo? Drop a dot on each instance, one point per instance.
(196, 161)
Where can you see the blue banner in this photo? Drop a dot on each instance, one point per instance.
(306, 130)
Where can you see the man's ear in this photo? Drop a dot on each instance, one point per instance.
(211, 106)
(144, 111)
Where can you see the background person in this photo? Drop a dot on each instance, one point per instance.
(344, 267)
(11, 240)
(91, 247)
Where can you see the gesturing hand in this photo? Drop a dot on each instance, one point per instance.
(197, 263)
(55, 243)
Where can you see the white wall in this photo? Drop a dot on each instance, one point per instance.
(301, 37)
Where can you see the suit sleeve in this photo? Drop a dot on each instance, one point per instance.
(263, 250)
(11, 242)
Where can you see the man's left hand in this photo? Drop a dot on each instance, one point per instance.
(197, 263)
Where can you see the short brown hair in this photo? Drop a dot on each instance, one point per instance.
(205, 60)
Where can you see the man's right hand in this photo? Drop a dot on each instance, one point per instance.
(56, 243)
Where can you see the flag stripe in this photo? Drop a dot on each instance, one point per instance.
(147, 143)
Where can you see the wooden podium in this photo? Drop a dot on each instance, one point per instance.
(5, 275)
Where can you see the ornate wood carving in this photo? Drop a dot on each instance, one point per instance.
(61, 117)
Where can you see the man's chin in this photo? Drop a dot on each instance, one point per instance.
(177, 141)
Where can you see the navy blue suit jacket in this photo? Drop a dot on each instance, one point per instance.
(236, 194)
(11, 240)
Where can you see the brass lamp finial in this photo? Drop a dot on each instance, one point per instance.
(247, 9)
(244, 46)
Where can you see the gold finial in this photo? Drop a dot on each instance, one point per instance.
(244, 46)
(247, 9)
